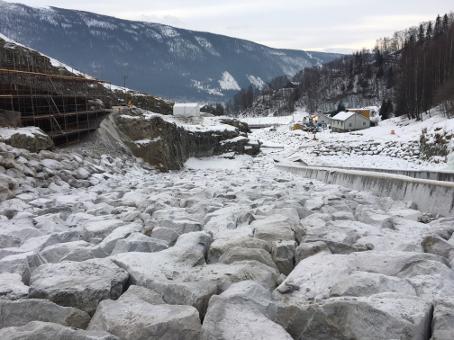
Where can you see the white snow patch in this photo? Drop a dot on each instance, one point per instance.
(256, 81)
(216, 163)
(228, 82)
(30, 131)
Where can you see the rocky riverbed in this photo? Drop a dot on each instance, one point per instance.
(104, 247)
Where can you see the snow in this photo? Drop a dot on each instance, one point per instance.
(343, 115)
(206, 88)
(30, 131)
(216, 163)
(298, 116)
(196, 124)
(228, 82)
(256, 81)
(147, 141)
(392, 135)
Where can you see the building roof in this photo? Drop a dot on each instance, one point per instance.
(343, 115)
(187, 105)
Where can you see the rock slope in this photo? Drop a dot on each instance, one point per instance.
(105, 248)
(167, 142)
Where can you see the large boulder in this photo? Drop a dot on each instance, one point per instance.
(21, 312)
(244, 311)
(37, 330)
(30, 138)
(383, 316)
(78, 284)
(135, 318)
(166, 143)
(12, 287)
(443, 320)
(324, 275)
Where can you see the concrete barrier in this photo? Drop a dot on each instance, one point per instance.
(436, 197)
(442, 175)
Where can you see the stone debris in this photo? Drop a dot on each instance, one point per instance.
(94, 246)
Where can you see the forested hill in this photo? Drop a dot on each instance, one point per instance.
(409, 73)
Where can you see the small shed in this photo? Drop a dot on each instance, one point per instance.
(349, 121)
(186, 110)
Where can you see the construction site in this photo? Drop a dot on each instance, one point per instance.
(33, 92)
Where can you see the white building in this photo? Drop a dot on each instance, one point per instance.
(349, 121)
(186, 110)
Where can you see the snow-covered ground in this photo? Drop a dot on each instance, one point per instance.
(388, 142)
(224, 249)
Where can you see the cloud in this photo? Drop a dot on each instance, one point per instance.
(298, 24)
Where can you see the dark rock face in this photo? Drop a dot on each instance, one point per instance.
(166, 145)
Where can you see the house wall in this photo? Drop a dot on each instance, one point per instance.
(186, 111)
(355, 122)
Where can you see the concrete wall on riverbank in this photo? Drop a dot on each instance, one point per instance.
(436, 197)
(444, 176)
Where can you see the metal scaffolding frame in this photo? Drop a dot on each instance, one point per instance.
(65, 106)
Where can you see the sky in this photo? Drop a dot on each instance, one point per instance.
(322, 25)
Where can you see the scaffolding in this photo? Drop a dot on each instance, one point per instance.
(64, 105)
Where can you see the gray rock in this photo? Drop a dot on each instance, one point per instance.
(34, 142)
(436, 245)
(242, 312)
(273, 228)
(314, 277)
(37, 330)
(165, 234)
(304, 250)
(443, 320)
(76, 251)
(78, 284)
(221, 245)
(365, 284)
(12, 287)
(138, 242)
(108, 244)
(383, 316)
(244, 254)
(21, 264)
(21, 312)
(283, 253)
(144, 294)
(99, 228)
(132, 318)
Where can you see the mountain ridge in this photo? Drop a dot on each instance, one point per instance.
(156, 58)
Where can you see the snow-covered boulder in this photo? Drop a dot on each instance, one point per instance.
(443, 320)
(134, 318)
(382, 316)
(12, 287)
(30, 138)
(244, 311)
(78, 284)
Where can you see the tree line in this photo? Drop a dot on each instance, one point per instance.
(426, 63)
(410, 72)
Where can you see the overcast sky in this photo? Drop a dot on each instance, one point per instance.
(328, 25)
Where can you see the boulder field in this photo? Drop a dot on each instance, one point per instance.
(104, 247)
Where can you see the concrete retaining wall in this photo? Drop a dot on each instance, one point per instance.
(431, 196)
(444, 176)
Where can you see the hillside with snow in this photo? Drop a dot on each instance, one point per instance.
(158, 59)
